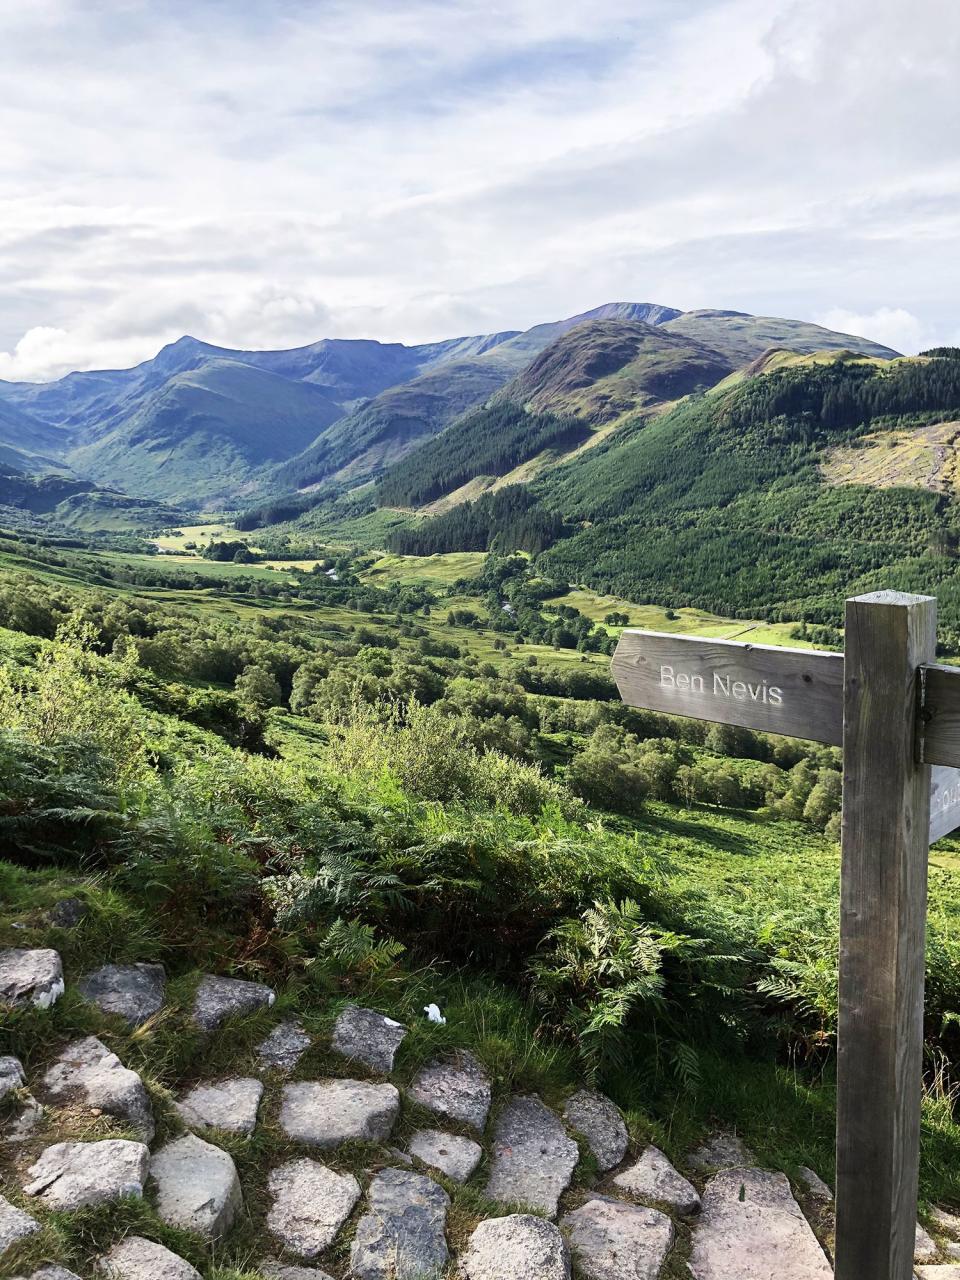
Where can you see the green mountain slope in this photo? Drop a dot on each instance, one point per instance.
(394, 423)
(77, 504)
(27, 443)
(402, 419)
(593, 372)
(603, 368)
(743, 337)
(205, 424)
(723, 503)
(488, 442)
(206, 434)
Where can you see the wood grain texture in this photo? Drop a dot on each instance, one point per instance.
(885, 828)
(796, 692)
(939, 730)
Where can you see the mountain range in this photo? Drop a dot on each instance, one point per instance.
(201, 426)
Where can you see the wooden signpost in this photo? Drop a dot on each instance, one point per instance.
(896, 714)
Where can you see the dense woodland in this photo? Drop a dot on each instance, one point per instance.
(508, 519)
(490, 442)
(719, 504)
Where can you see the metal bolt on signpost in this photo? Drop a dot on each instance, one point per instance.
(896, 714)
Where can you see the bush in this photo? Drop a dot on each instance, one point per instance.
(603, 781)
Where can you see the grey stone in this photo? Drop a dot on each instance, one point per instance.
(15, 1225)
(11, 1075)
(197, 1186)
(69, 1175)
(749, 1221)
(310, 1205)
(67, 913)
(284, 1046)
(815, 1186)
(951, 1249)
(596, 1118)
(519, 1247)
(134, 992)
(720, 1151)
(138, 1259)
(30, 977)
(402, 1234)
(611, 1240)
(219, 998)
(653, 1177)
(228, 1104)
(90, 1072)
(456, 1157)
(948, 1222)
(53, 1272)
(925, 1247)
(277, 1271)
(24, 1124)
(457, 1088)
(369, 1037)
(325, 1113)
(940, 1271)
(533, 1159)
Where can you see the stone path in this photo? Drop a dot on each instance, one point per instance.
(654, 1178)
(197, 1186)
(749, 1218)
(327, 1113)
(30, 978)
(71, 1175)
(310, 1205)
(220, 998)
(596, 1119)
(533, 1160)
(231, 1105)
(133, 992)
(456, 1088)
(137, 1259)
(453, 1156)
(402, 1234)
(355, 1191)
(89, 1072)
(610, 1239)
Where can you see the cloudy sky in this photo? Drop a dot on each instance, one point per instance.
(268, 174)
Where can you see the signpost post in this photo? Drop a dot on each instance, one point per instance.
(896, 713)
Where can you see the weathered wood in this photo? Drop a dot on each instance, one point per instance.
(939, 727)
(885, 827)
(944, 801)
(797, 692)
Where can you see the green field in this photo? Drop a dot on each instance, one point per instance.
(693, 622)
(440, 570)
(215, 527)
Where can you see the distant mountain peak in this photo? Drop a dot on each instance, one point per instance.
(648, 312)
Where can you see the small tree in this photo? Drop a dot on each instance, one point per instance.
(824, 800)
(257, 688)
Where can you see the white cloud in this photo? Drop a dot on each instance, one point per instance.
(893, 326)
(268, 175)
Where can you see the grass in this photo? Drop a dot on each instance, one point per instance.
(438, 570)
(765, 878)
(214, 527)
(691, 622)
